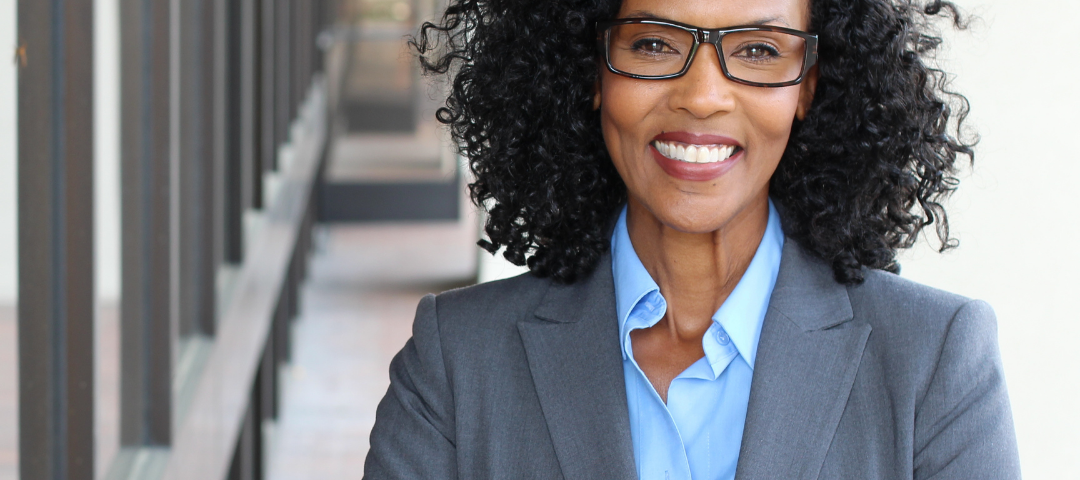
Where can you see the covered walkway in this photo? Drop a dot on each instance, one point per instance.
(357, 310)
(221, 252)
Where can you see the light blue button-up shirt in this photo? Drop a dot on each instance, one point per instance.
(698, 433)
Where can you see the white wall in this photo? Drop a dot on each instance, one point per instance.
(8, 149)
(106, 151)
(1015, 214)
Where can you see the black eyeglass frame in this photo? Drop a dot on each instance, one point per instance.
(706, 35)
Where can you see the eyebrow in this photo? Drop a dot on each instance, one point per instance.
(647, 15)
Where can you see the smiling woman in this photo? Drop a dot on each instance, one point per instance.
(710, 196)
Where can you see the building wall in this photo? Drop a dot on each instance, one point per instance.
(8, 148)
(106, 151)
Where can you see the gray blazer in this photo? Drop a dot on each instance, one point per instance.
(523, 379)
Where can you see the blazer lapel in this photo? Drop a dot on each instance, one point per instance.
(807, 358)
(573, 351)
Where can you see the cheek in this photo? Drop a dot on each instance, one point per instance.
(624, 104)
(626, 107)
(770, 118)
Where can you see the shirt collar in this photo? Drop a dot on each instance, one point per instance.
(742, 313)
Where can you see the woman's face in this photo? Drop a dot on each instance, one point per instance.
(704, 109)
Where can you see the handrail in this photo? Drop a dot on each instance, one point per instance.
(206, 439)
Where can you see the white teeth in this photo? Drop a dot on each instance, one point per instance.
(695, 153)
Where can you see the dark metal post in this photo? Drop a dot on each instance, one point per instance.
(317, 13)
(56, 225)
(281, 324)
(244, 459)
(269, 389)
(284, 76)
(315, 20)
(269, 85)
(146, 346)
(225, 135)
(260, 124)
(299, 55)
(215, 139)
(243, 123)
(196, 194)
(313, 35)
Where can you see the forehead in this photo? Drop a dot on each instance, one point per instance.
(723, 13)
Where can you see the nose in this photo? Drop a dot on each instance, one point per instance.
(704, 90)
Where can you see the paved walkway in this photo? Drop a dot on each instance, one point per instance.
(356, 313)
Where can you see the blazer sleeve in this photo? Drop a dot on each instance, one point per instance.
(963, 425)
(413, 436)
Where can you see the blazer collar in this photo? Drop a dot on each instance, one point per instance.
(806, 292)
(809, 352)
(572, 346)
(584, 300)
(807, 357)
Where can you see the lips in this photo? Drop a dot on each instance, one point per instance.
(695, 157)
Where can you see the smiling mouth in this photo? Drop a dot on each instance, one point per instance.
(688, 153)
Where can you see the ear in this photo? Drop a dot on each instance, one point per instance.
(806, 93)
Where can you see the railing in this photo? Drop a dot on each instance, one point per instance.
(223, 134)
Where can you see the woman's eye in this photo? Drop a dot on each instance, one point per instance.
(758, 52)
(652, 45)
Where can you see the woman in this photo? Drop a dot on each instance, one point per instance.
(710, 196)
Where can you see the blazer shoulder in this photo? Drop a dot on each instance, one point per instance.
(939, 352)
(891, 296)
(912, 323)
(495, 304)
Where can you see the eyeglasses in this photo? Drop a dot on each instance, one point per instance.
(760, 56)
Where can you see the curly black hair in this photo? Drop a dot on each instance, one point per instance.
(862, 175)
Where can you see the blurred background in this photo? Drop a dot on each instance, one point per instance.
(269, 196)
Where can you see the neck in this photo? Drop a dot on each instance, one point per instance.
(696, 271)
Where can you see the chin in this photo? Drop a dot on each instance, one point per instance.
(694, 219)
(702, 213)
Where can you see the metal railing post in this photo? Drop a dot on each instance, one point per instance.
(56, 225)
(146, 336)
(268, 88)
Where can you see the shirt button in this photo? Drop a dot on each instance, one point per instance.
(722, 337)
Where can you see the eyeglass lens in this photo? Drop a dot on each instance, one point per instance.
(757, 56)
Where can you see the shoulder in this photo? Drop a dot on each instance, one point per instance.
(936, 353)
(494, 301)
(807, 288)
(919, 331)
(483, 314)
(885, 293)
(890, 301)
